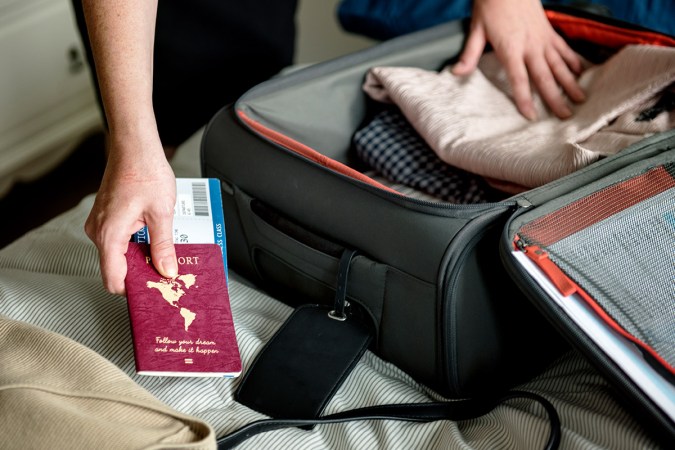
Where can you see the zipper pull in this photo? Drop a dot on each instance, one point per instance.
(540, 257)
(521, 202)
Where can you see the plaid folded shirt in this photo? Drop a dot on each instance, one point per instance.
(391, 146)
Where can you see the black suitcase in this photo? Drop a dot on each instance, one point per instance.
(429, 274)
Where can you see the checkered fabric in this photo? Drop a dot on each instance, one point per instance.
(390, 145)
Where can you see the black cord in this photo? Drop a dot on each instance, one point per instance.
(556, 434)
(413, 412)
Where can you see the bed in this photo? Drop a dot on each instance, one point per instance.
(50, 279)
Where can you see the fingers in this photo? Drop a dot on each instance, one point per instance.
(112, 245)
(520, 84)
(552, 78)
(568, 55)
(114, 264)
(468, 60)
(566, 65)
(542, 77)
(111, 237)
(162, 250)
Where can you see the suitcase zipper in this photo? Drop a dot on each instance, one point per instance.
(541, 258)
(449, 284)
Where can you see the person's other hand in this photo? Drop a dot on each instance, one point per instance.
(138, 188)
(529, 49)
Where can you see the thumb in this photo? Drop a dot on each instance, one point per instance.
(162, 250)
(468, 60)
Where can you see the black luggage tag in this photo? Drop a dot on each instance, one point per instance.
(306, 361)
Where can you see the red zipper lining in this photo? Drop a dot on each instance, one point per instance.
(604, 34)
(594, 208)
(567, 287)
(559, 278)
(619, 329)
(310, 153)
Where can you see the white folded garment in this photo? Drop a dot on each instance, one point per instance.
(472, 122)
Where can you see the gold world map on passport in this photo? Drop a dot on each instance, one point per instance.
(172, 290)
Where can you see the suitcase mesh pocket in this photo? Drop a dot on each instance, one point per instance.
(618, 246)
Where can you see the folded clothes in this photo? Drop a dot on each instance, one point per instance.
(392, 147)
(472, 122)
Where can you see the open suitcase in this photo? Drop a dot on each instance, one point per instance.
(443, 283)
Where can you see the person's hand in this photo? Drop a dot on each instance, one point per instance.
(138, 188)
(529, 49)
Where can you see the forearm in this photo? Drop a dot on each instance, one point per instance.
(138, 186)
(122, 40)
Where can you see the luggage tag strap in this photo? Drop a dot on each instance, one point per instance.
(456, 410)
(338, 311)
(299, 370)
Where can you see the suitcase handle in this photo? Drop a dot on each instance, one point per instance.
(303, 266)
(296, 231)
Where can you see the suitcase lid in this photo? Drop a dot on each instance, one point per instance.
(598, 262)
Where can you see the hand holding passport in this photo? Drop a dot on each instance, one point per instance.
(183, 326)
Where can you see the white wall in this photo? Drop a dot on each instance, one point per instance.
(319, 34)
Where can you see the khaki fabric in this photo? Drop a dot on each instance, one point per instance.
(58, 394)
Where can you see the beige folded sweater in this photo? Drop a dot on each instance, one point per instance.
(472, 122)
(58, 394)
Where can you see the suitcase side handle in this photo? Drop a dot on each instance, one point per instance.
(306, 265)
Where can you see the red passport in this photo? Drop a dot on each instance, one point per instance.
(182, 326)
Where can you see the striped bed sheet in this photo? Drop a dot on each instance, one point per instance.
(50, 278)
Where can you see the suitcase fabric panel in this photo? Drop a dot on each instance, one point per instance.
(618, 246)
